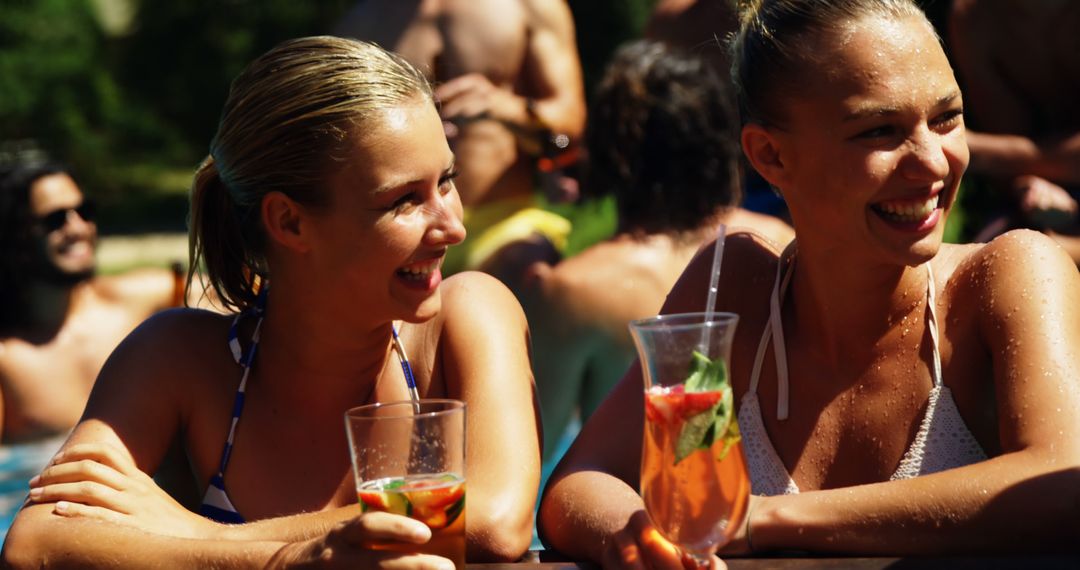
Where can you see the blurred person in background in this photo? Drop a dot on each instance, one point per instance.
(705, 27)
(1019, 64)
(661, 139)
(59, 321)
(509, 84)
(698, 26)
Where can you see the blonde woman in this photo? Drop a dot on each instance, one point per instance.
(896, 395)
(322, 214)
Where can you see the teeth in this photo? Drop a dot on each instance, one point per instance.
(908, 211)
(419, 271)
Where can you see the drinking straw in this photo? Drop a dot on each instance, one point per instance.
(714, 280)
(410, 380)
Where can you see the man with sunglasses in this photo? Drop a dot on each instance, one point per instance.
(58, 320)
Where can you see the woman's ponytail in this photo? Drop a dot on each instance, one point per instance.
(217, 240)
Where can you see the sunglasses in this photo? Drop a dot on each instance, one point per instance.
(58, 218)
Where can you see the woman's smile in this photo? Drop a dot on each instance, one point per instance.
(421, 275)
(915, 214)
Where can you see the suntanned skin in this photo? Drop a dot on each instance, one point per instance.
(578, 309)
(854, 320)
(325, 347)
(48, 364)
(486, 58)
(1020, 64)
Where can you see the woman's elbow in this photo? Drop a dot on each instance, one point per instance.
(500, 534)
(25, 545)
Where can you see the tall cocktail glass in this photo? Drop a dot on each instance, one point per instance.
(693, 474)
(409, 459)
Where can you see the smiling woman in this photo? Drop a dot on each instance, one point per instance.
(322, 214)
(893, 415)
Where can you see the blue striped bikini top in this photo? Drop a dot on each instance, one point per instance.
(215, 503)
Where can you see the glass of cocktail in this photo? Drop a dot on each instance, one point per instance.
(693, 474)
(409, 459)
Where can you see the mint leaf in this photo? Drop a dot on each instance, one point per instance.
(701, 430)
(693, 434)
(705, 375)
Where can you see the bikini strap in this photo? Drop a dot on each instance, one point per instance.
(245, 361)
(931, 323)
(774, 328)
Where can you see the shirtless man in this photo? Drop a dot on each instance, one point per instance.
(1019, 64)
(508, 79)
(59, 322)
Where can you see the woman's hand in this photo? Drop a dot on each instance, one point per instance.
(101, 481)
(640, 546)
(355, 544)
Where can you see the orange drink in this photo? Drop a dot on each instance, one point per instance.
(693, 474)
(435, 500)
(695, 500)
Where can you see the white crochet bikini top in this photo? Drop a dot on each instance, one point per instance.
(943, 441)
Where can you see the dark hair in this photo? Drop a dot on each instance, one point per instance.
(288, 117)
(661, 138)
(17, 248)
(776, 41)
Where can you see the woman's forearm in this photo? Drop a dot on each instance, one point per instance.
(40, 539)
(1015, 502)
(292, 528)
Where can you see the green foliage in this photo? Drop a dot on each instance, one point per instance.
(602, 26)
(54, 86)
(133, 112)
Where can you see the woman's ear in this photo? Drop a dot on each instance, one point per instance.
(284, 221)
(762, 149)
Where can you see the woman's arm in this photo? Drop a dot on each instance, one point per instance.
(1028, 498)
(997, 154)
(39, 539)
(485, 359)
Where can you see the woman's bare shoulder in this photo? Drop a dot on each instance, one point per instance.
(773, 229)
(472, 296)
(175, 343)
(1015, 254)
(1014, 270)
(747, 269)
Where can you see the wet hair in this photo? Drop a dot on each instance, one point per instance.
(776, 41)
(661, 139)
(289, 119)
(17, 247)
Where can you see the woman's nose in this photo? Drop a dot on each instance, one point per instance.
(928, 160)
(446, 225)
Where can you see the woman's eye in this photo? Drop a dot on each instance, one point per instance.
(405, 202)
(949, 118)
(447, 181)
(876, 133)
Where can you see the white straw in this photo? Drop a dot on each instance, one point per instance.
(714, 280)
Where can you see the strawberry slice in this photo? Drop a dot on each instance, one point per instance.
(693, 403)
(374, 500)
(662, 408)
